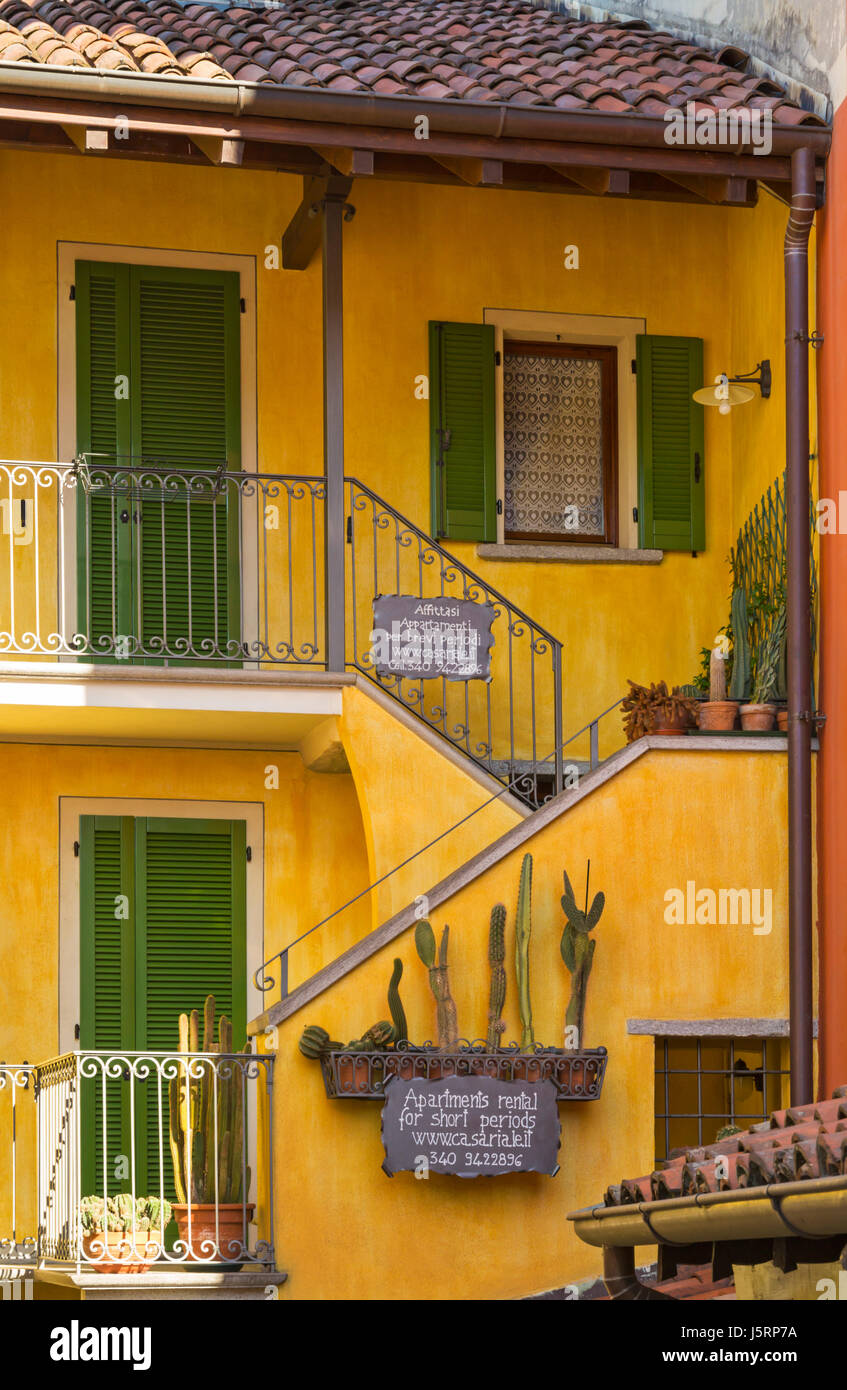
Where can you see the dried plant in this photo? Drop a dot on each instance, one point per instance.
(645, 702)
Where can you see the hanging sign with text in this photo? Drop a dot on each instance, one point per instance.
(431, 637)
(470, 1126)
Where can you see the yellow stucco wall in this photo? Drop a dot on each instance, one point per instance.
(311, 822)
(410, 794)
(415, 253)
(344, 1230)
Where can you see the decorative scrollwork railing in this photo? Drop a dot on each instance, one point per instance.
(161, 562)
(510, 725)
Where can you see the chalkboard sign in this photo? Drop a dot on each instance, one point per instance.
(431, 637)
(470, 1126)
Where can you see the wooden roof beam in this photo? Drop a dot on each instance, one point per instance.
(351, 163)
(302, 236)
(477, 172)
(603, 182)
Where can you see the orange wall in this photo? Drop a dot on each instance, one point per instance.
(832, 380)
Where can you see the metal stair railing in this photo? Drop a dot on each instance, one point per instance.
(510, 725)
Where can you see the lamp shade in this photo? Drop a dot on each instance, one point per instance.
(724, 394)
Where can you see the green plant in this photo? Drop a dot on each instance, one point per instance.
(395, 1007)
(727, 1131)
(447, 1024)
(768, 658)
(316, 1040)
(645, 702)
(497, 991)
(374, 1039)
(196, 1105)
(578, 951)
(523, 931)
(116, 1214)
(739, 687)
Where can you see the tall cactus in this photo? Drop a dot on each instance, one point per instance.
(739, 686)
(578, 952)
(193, 1113)
(395, 1007)
(447, 1024)
(523, 931)
(497, 992)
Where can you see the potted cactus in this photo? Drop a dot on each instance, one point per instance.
(212, 1211)
(352, 1071)
(122, 1236)
(717, 712)
(760, 714)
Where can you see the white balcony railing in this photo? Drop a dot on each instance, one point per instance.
(123, 1160)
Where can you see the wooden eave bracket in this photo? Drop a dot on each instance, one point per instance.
(88, 139)
(224, 153)
(477, 172)
(713, 189)
(614, 182)
(302, 237)
(351, 163)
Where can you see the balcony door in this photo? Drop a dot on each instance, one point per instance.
(158, 425)
(162, 925)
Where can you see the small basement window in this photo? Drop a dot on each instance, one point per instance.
(704, 1084)
(560, 442)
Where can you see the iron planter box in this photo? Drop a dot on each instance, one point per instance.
(362, 1075)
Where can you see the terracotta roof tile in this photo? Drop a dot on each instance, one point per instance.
(388, 46)
(793, 1145)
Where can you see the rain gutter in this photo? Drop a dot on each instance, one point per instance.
(817, 1207)
(497, 120)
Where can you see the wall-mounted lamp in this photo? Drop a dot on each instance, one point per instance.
(726, 393)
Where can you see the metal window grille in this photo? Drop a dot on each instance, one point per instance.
(703, 1084)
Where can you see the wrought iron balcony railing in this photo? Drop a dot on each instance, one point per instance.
(164, 563)
(92, 1130)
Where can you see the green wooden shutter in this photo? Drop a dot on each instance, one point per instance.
(186, 937)
(168, 572)
(186, 413)
(104, 557)
(107, 964)
(671, 454)
(462, 436)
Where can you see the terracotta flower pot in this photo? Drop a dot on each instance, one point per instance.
(670, 724)
(121, 1255)
(758, 718)
(231, 1238)
(717, 714)
(353, 1075)
(782, 720)
(527, 1069)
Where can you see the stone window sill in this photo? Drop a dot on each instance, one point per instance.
(570, 554)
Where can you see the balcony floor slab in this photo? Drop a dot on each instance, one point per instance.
(183, 1285)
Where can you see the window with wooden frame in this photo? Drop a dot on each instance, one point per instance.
(559, 425)
(560, 442)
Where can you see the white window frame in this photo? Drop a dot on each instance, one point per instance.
(68, 253)
(71, 808)
(603, 330)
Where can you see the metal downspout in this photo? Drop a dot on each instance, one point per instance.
(797, 232)
(622, 1283)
